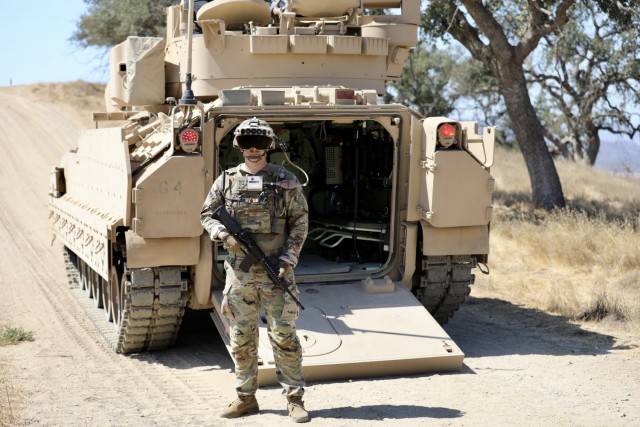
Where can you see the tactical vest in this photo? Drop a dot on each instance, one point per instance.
(259, 205)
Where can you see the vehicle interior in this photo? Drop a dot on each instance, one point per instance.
(346, 169)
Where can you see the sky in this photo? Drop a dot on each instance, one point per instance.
(35, 46)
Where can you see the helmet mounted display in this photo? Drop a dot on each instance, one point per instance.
(254, 133)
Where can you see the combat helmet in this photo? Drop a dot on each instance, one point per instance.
(254, 133)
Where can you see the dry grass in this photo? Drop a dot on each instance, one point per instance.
(12, 335)
(581, 262)
(11, 398)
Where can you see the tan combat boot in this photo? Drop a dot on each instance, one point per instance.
(295, 405)
(241, 406)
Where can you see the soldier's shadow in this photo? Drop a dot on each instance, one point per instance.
(380, 412)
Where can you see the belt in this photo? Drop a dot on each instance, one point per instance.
(245, 264)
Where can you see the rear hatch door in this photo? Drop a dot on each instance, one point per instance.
(375, 327)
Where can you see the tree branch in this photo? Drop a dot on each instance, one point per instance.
(491, 28)
(537, 29)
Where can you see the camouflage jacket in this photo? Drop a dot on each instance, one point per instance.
(275, 210)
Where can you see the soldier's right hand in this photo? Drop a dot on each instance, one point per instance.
(285, 270)
(229, 242)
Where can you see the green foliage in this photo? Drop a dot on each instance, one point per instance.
(590, 78)
(109, 22)
(9, 335)
(426, 84)
(477, 85)
(437, 17)
(442, 17)
(623, 12)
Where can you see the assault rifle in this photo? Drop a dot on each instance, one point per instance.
(251, 249)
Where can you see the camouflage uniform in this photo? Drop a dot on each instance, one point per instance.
(278, 221)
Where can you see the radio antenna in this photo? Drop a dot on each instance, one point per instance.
(187, 94)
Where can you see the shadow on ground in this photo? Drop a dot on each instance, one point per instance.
(492, 327)
(198, 345)
(380, 412)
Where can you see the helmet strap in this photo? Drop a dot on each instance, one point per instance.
(254, 159)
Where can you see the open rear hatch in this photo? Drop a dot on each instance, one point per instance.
(351, 327)
(359, 329)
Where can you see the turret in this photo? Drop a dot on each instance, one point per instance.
(332, 42)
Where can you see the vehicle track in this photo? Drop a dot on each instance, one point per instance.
(444, 284)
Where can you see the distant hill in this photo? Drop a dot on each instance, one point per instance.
(619, 157)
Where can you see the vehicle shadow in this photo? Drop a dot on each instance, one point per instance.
(484, 327)
(198, 346)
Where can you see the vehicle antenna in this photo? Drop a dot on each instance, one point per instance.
(187, 94)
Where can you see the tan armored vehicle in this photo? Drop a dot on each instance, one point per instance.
(400, 205)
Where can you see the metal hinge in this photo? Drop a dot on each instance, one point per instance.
(424, 214)
(492, 185)
(428, 164)
(136, 195)
(136, 224)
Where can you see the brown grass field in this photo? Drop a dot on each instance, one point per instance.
(580, 262)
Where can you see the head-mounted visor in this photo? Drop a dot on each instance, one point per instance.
(259, 142)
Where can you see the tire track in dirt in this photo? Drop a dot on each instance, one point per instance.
(34, 287)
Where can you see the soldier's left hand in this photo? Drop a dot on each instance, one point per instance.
(226, 310)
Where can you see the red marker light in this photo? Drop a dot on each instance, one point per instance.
(447, 131)
(188, 139)
(189, 135)
(447, 134)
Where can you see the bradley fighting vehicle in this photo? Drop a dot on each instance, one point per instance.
(399, 204)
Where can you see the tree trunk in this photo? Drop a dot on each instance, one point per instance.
(546, 188)
(593, 139)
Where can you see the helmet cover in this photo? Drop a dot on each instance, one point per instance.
(254, 133)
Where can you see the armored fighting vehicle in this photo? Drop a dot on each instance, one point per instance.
(399, 204)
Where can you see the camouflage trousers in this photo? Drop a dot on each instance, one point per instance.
(246, 292)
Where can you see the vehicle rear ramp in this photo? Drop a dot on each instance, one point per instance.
(359, 329)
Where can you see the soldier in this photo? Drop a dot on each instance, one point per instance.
(277, 7)
(268, 201)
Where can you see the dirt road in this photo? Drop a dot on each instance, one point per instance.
(521, 367)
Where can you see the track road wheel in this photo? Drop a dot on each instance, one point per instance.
(114, 298)
(85, 278)
(81, 278)
(106, 298)
(96, 288)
